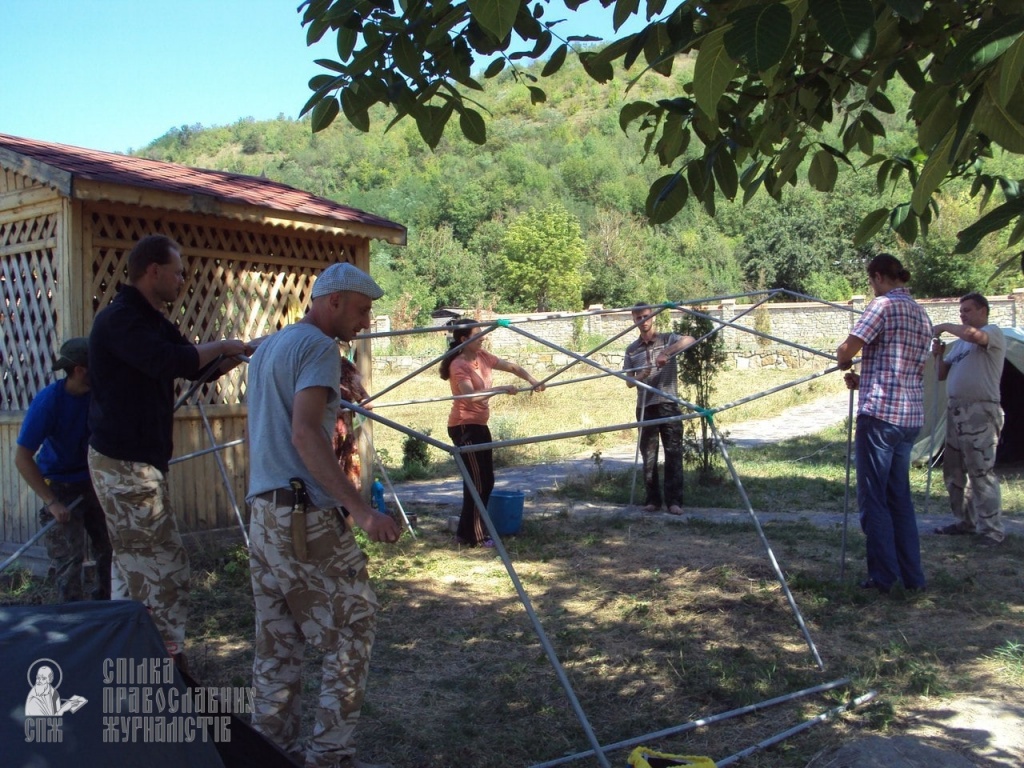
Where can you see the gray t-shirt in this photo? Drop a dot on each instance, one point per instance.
(295, 358)
(975, 371)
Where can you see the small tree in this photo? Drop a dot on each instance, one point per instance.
(698, 367)
(541, 259)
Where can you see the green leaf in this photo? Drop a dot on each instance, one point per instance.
(997, 123)
(870, 225)
(324, 113)
(623, 10)
(712, 73)
(932, 174)
(823, 171)
(979, 48)
(431, 121)
(334, 66)
(1017, 234)
(666, 198)
(347, 39)
(1011, 70)
(911, 10)
(407, 58)
(555, 62)
(993, 221)
(599, 70)
(1007, 265)
(537, 95)
(356, 113)
(724, 167)
(632, 111)
(473, 126)
(872, 124)
(495, 16)
(848, 26)
(904, 222)
(494, 68)
(759, 35)
(702, 183)
(881, 102)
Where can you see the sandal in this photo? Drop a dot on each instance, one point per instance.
(953, 529)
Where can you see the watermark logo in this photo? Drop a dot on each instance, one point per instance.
(142, 703)
(44, 707)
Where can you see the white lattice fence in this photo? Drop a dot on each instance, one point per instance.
(29, 284)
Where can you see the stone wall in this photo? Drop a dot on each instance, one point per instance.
(811, 326)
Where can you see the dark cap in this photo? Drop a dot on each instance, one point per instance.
(73, 352)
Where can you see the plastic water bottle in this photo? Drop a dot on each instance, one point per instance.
(377, 496)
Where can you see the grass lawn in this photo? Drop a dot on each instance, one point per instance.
(656, 621)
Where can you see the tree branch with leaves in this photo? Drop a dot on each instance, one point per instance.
(768, 76)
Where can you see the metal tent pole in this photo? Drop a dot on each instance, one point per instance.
(931, 440)
(764, 540)
(695, 724)
(224, 476)
(528, 605)
(35, 537)
(846, 495)
(828, 714)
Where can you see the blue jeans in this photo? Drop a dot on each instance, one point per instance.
(886, 508)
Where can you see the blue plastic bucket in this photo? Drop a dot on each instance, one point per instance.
(506, 511)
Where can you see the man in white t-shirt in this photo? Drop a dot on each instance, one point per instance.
(972, 367)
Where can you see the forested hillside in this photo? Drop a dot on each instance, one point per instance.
(548, 214)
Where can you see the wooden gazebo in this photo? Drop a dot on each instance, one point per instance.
(252, 247)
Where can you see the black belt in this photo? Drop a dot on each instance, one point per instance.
(282, 497)
(285, 497)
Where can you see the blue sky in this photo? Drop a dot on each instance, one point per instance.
(116, 74)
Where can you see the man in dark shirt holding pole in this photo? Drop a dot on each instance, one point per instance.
(135, 355)
(651, 360)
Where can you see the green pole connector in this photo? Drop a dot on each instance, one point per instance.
(706, 413)
(504, 323)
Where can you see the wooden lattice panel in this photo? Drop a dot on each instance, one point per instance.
(241, 282)
(29, 285)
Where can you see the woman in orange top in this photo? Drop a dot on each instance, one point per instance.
(468, 371)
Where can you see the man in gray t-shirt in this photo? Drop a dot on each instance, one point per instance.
(309, 577)
(972, 367)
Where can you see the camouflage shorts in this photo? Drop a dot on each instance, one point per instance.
(150, 562)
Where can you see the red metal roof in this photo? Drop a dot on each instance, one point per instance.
(125, 170)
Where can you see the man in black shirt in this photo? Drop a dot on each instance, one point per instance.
(135, 354)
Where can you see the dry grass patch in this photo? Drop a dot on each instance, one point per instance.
(656, 622)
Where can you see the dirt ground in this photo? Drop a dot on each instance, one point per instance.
(656, 622)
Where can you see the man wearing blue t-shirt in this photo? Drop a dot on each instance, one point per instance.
(51, 456)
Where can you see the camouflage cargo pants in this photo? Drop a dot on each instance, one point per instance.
(65, 542)
(150, 562)
(325, 600)
(968, 466)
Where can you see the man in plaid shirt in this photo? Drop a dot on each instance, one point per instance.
(895, 334)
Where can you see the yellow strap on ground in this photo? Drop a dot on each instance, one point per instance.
(642, 757)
